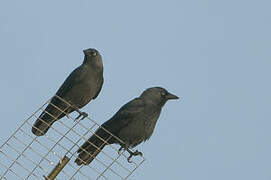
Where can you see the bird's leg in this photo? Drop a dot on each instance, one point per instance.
(135, 153)
(120, 149)
(83, 114)
(67, 115)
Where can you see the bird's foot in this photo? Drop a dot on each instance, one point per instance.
(120, 150)
(67, 115)
(81, 114)
(135, 153)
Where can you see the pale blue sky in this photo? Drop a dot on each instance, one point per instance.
(213, 54)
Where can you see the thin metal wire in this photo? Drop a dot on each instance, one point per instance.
(15, 161)
(75, 153)
(46, 136)
(106, 142)
(14, 134)
(18, 157)
(107, 167)
(56, 142)
(53, 147)
(77, 137)
(25, 158)
(25, 122)
(38, 165)
(68, 150)
(137, 166)
(89, 129)
(64, 135)
(10, 171)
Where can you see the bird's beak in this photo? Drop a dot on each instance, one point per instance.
(84, 51)
(172, 96)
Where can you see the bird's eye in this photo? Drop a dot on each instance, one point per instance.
(93, 53)
(163, 94)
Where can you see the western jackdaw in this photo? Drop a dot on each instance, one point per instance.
(132, 124)
(81, 86)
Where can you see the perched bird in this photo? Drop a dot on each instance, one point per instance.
(132, 124)
(81, 86)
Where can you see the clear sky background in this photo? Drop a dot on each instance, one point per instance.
(213, 54)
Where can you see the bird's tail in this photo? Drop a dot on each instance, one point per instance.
(52, 113)
(92, 147)
(42, 124)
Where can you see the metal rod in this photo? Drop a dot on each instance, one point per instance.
(61, 164)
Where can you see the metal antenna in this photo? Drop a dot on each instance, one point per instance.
(26, 156)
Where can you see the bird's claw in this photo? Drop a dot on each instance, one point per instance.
(136, 153)
(120, 150)
(81, 114)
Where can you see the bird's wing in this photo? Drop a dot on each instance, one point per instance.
(71, 80)
(121, 119)
(51, 109)
(125, 115)
(100, 88)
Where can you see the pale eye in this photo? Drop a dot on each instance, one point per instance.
(163, 94)
(93, 53)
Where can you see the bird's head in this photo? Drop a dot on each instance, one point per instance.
(92, 56)
(158, 95)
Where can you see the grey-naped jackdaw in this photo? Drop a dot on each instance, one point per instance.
(133, 124)
(81, 86)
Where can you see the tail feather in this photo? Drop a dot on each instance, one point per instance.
(51, 114)
(93, 146)
(89, 150)
(43, 123)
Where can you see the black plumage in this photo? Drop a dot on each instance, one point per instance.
(133, 124)
(81, 86)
